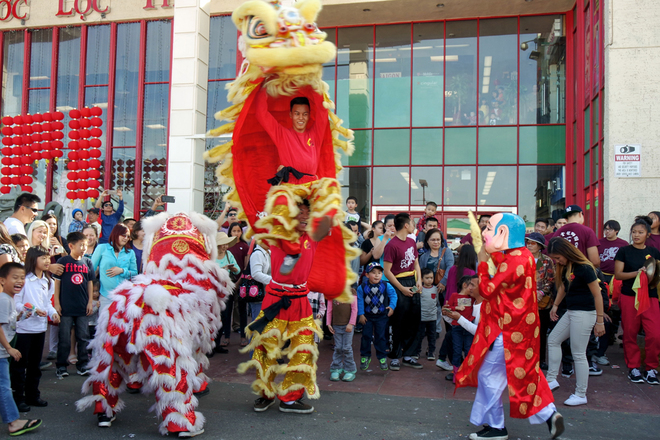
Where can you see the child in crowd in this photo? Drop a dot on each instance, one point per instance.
(376, 301)
(431, 208)
(341, 319)
(35, 300)
(317, 302)
(73, 301)
(353, 215)
(78, 224)
(12, 278)
(429, 301)
(21, 244)
(461, 302)
(94, 317)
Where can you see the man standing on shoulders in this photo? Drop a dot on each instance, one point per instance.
(93, 219)
(403, 272)
(582, 237)
(25, 211)
(109, 218)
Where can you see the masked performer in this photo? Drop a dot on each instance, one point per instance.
(159, 327)
(505, 350)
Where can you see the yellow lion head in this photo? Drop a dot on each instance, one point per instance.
(279, 38)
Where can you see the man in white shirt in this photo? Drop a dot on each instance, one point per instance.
(25, 211)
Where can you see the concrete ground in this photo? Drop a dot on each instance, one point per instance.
(377, 405)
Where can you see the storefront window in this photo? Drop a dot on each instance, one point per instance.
(122, 170)
(12, 79)
(541, 192)
(428, 77)
(427, 185)
(157, 67)
(460, 186)
(427, 146)
(223, 48)
(460, 146)
(41, 49)
(354, 64)
(98, 55)
(497, 145)
(126, 85)
(154, 142)
(356, 182)
(362, 153)
(542, 70)
(391, 147)
(329, 67)
(495, 186)
(391, 185)
(392, 93)
(498, 69)
(543, 144)
(461, 70)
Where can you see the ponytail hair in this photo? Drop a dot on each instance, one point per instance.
(644, 221)
(561, 246)
(371, 233)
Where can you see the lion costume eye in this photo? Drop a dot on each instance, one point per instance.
(256, 29)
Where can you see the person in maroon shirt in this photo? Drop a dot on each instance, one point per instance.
(403, 272)
(654, 238)
(608, 247)
(582, 237)
(299, 151)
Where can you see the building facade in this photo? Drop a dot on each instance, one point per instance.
(473, 104)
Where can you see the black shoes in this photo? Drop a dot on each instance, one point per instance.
(297, 407)
(37, 402)
(555, 425)
(489, 433)
(262, 404)
(23, 407)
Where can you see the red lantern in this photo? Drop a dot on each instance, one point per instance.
(57, 144)
(16, 160)
(82, 195)
(18, 120)
(84, 144)
(94, 163)
(6, 161)
(71, 185)
(95, 153)
(26, 149)
(7, 141)
(73, 155)
(94, 174)
(83, 154)
(36, 137)
(57, 153)
(7, 131)
(96, 111)
(46, 135)
(7, 120)
(37, 117)
(15, 180)
(72, 175)
(74, 135)
(26, 180)
(96, 122)
(5, 171)
(46, 155)
(26, 188)
(46, 146)
(27, 119)
(15, 171)
(57, 135)
(47, 116)
(71, 195)
(17, 151)
(85, 133)
(94, 183)
(74, 113)
(74, 124)
(37, 128)
(86, 112)
(73, 166)
(74, 145)
(83, 164)
(85, 123)
(36, 147)
(16, 130)
(26, 129)
(96, 132)
(5, 180)
(46, 126)
(58, 116)
(16, 140)
(5, 190)
(95, 143)
(35, 156)
(26, 160)
(57, 125)
(93, 194)
(25, 169)
(83, 175)
(82, 184)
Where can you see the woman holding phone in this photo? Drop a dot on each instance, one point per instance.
(227, 261)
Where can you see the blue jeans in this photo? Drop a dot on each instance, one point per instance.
(82, 340)
(374, 329)
(342, 358)
(8, 409)
(462, 340)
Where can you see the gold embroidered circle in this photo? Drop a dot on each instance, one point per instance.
(529, 353)
(519, 303)
(531, 388)
(519, 373)
(180, 247)
(517, 337)
(520, 270)
(523, 408)
(530, 318)
(507, 318)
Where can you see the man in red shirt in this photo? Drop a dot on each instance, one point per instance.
(582, 237)
(299, 151)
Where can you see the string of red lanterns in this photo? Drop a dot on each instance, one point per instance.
(84, 156)
(26, 140)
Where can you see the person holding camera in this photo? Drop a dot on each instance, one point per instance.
(109, 217)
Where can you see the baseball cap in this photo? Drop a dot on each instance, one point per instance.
(536, 237)
(571, 209)
(371, 266)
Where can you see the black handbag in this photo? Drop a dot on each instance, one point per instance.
(250, 290)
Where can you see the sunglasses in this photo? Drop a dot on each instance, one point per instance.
(34, 210)
(108, 204)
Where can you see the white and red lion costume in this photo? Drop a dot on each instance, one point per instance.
(159, 327)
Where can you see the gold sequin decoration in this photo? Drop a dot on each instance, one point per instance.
(519, 303)
(536, 332)
(520, 270)
(476, 339)
(519, 373)
(512, 392)
(499, 301)
(503, 267)
(516, 253)
(537, 368)
(528, 283)
(487, 308)
(517, 337)
(531, 388)
(471, 360)
(537, 401)
(529, 353)
(507, 354)
(500, 322)
(487, 331)
(490, 288)
(523, 408)
(507, 318)
(530, 318)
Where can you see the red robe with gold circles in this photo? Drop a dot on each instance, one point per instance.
(510, 307)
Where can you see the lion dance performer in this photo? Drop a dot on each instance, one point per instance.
(159, 327)
(282, 166)
(505, 350)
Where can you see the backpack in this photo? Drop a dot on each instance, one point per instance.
(250, 289)
(604, 290)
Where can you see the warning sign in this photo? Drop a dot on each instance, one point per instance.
(628, 160)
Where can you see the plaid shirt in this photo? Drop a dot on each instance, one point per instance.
(317, 302)
(545, 277)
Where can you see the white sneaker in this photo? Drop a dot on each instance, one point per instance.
(553, 385)
(600, 360)
(444, 365)
(575, 400)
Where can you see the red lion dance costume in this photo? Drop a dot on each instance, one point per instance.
(505, 349)
(271, 169)
(159, 327)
